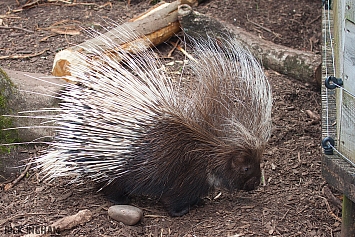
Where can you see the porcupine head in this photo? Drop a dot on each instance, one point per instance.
(131, 126)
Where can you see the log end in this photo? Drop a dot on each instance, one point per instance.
(60, 68)
(62, 61)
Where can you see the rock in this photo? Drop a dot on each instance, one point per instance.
(7, 94)
(29, 93)
(128, 215)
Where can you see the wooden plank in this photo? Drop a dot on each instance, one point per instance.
(339, 174)
(338, 53)
(347, 101)
(350, 10)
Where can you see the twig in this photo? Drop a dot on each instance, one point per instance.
(303, 209)
(331, 231)
(8, 186)
(283, 217)
(30, 4)
(47, 37)
(23, 56)
(326, 191)
(314, 20)
(312, 115)
(9, 17)
(189, 56)
(61, 24)
(154, 216)
(64, 27)
(69, 222)
(174, 47)
(330, 210)
(57, 2)
(15, 27)
(90, 4)
(264, 28)
(63, 1)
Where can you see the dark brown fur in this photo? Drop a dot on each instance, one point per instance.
(179, 166)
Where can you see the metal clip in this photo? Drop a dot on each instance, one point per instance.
(332, 82)
(327, 4)
(328, 144)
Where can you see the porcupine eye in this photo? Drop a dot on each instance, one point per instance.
(246, 169)
(238, 163)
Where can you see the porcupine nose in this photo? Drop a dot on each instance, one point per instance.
(251, 184)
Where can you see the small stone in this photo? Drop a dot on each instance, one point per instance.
(128, 215)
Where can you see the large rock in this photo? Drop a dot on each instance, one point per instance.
(30, 92)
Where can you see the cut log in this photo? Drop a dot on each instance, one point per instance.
(152, 28)
(301, 65)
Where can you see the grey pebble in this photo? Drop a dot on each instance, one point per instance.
(128, 215)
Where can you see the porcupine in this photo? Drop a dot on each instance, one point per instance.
(128, 125)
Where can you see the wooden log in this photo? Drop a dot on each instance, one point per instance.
(339, 174)
(302, 65)
(153, 27)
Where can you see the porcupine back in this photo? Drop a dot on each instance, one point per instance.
(129, 125)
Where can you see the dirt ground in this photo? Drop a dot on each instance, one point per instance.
(292, 203)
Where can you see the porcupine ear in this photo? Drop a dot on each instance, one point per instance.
(238, 157)
(244, 157)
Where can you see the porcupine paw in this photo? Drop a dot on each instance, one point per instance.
(118, 199)
(115, 193)
(178, 212)
(179, 209)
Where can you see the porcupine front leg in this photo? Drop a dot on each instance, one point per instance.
(116, 193)
(180, 208)
(179, 202)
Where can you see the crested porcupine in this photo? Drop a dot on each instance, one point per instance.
(129, 125)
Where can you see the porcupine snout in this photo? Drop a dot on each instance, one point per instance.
(252, 180)
(252, 183)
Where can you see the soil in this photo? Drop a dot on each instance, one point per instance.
(291, 203)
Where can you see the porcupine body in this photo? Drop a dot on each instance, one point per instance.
(129, 125)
